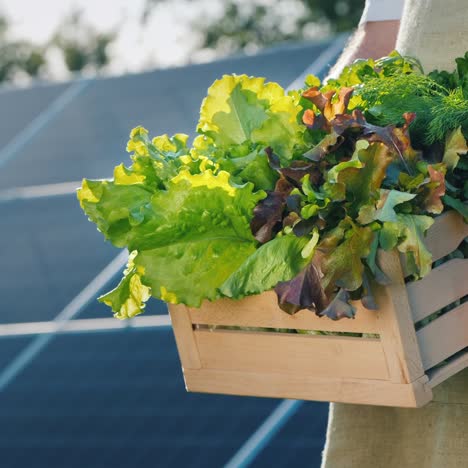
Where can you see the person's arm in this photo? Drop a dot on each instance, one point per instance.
(376, 34)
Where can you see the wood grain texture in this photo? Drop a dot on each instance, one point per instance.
(185, 340)
(324, 356)
(396, 323)
(442, 286)
(389, 371)
(446, 234)
(303, 387)
(444, 336)
(262, 311)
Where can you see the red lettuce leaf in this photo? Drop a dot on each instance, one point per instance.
(302, 292)
(339, 307)
(268, 213)
(436, 190)
(296, 171)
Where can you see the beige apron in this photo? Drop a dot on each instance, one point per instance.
(436, 436)
(435, 31)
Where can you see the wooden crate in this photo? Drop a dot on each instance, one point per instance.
(399, 368)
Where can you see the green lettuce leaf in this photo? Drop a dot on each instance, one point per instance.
(241, 108)
(189, 237)
(199, 235)
(455, 145)
(251, 167)
(129, 297)
(155, 161)
(418, 257)
(277, 260)
(191, 270)
(458, 205)
(407, 234)
(115, 208)
(384, 210)
(361, 176)
(363, 184)
(390, 235)
(343, 266)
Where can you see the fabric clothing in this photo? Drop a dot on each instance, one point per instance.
(435, 436)
(434, 31)
(382, 10)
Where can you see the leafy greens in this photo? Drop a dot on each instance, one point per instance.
(289, 191)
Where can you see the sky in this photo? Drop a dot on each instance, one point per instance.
(163, 42)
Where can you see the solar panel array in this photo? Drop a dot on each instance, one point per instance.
(113, 398)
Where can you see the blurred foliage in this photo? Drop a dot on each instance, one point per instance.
(220, 28)
(79, 44)
(17, 56)
(258, 23)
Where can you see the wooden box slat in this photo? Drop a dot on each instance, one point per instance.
(262, 311)
(395, 369)
(395, 322)
(446, 234)
(442, 286)
(327, 356)
(302, 387)
(444, 336)
(455, 365)
(184, 336)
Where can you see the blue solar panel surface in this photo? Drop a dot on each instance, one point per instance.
(49, 253)
(300, 442)
(19, 107)
(115, 398)
(89, 137)
(9, 348)
(118, 400)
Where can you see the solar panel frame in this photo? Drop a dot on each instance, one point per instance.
(48, 452)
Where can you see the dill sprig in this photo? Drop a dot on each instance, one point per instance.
(387, 88)
(448, 114)
(438, 111)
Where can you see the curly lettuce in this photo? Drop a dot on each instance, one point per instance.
(184, 212)
(294, 191)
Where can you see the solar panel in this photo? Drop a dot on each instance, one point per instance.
(9, 348)
(116, 398)
(49, 253)
(19, 106)
(90, 136)
(301, 440)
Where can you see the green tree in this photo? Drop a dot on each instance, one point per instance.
(243, 25)
(18, 56)
(33, 62)
(249, 24)
(81, 45)
(342, 15)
